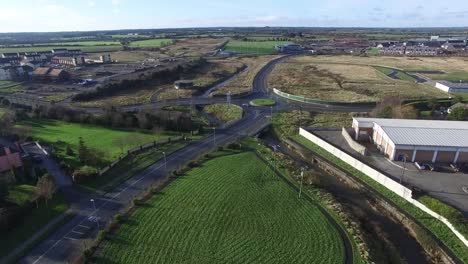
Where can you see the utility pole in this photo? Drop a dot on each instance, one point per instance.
(214, 136)
(228, 98)
(165, 161)
(302, 179)
(404, 169)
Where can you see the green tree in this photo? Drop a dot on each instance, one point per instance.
(83, 151)
(385, 112)
(45, 188)
(432, 103)
(458, 113)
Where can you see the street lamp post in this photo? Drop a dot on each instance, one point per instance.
(165, 160)
(214, 136)
(96, 219)
(302, 179)
(404, 169)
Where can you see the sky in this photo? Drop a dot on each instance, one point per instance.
(84, 15)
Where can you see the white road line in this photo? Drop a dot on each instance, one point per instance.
(87, 227)
(74, 239)
(80, 233)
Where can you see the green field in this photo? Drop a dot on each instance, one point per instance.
(10, 87)
(151, 43)
(452, 77)
(224, 112)
(85, 48)
(62, 134)
(251, 47)
(232, 209)
(263, 102)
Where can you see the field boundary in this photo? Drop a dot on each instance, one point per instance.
(316, 101)
(138, 149)
(399, 189)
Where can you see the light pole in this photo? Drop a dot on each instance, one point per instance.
(165, 161)
(404, 168)
(94, 204)
(302, 179)
(214, 136)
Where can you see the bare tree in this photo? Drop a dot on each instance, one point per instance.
(45, 188)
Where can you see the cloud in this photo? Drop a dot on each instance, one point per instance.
(92, 3)
(116, 2)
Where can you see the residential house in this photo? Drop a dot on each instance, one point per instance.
(10, 158)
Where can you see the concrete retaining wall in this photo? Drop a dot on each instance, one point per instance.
(353, 144)
(379, 177)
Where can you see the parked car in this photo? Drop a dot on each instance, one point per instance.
(37, 158)
(464, 167)
(429, 166)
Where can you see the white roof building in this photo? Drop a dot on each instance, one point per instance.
(418, 140)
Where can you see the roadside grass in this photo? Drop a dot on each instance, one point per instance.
(253, 47)
(61, 134)
(452, 77)
(151, 43)
(10, 87)
(35, 219)
(326, 79)
(21, 194)
(229, 209)
(405, 77)
(224, 112)
(131, 166)
(439, 229)
(384, 70)
(243, 82)
(373, 51)
(263, 102)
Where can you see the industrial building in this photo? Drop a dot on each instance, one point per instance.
(451, 87)
(416, 140)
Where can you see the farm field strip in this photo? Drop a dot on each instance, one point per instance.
(226, 212)
(253, 47)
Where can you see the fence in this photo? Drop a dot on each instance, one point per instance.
(379, 177)
(316, 101)
(139, 149)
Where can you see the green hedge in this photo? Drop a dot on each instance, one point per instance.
(438, 228)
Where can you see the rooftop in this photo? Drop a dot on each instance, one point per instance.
(421, 132)
(455, 84)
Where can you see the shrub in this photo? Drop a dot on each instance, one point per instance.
(84, 173)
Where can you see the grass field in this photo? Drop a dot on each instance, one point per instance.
(10, 87)
(232, 209)
(150, 43)
(224, 112)
(62, 134)
(36, 219)
(253, 47)
(263, 102)
(324, 78)
(450, 66)
(243, 82)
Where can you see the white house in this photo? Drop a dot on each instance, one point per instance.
(450, 87)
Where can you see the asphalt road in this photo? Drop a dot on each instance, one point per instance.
(63, 245)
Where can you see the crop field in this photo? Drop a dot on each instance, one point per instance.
(151, 43)
(253, 47)
(193, 47)
(62, 134)
(232, 209)
(329, 79)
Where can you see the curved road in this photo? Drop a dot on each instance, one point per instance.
(64, 244)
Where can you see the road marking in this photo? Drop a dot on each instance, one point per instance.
(74, 239)
(465, 189)
(87, 227)
(80, 233)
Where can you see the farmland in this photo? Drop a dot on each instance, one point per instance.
(344, 79)
(62, 134)
(231, 209)
(85, 46)
(253, 47)
(150, 43)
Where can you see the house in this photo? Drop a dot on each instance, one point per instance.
(9, 55)
(58, 75)
(40, 73)
(421, 51)
(393, 50)
(10, 158)
(68, 61)
(60, 51)
(416, 140)
(451, 87)
(290, 48)
(7, 73)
